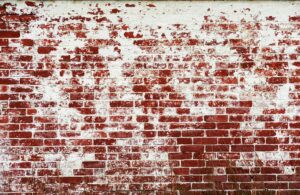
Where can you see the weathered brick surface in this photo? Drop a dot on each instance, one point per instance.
(149, 97)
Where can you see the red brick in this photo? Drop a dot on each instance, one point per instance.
(87, 50)
(23, 119)
(242, 148)
(31, 142)
(174, 156)
(121, 104)
(45, 50)
(237, 110)
(8, 81)
(20, 134)
(192, 148)
(277, 80)
(9, 34)
(228, 125)
(266, 147)
(216, 118)
(168, 119)
(141, 88)
(72, 180)
(93, 164)
(120, 134)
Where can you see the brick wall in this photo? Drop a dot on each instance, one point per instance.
(143, 97)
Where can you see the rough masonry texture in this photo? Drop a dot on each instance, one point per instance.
(149, 97)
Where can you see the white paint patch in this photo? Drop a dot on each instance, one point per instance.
(280, 134)
(283, 92)
(115, 71)
(245, 163)
(87, 134)
(276, 155)
(252, 125)
(88, 79)
(256, 110)
(74, 161)
(53, 157)
(4, 160)
(288, 170)
(202, 111)
(252, 79)
(282, 96)
(64, 115)
(51, 92)
(154, 156)
(170, 111)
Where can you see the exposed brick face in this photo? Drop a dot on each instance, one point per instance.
(139, 97)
